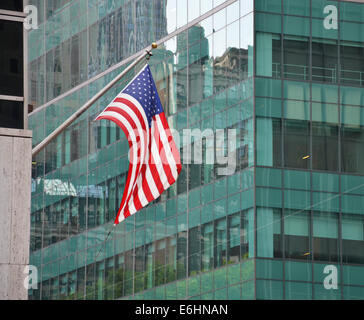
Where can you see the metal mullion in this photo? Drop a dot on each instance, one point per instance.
(339, 155)
(283, 247)
(310, 153)
(188, 164)
(255, 237)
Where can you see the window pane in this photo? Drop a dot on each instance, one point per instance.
(269, 237)
(234, 238)
(80, 283)
(11, 57)
(109, 279)
(54, 289)
(324, 147)
(296, 234)
(352, 149)
(220, 243)
(90, 282)
(194, 251)
(296, 58)
(269, 145)
(75, 61)
(324, 61)
(325, 236)
(296, 144)
(207, 246)
(268, 55)
(352, 64)
(353, 238)
(181, 255)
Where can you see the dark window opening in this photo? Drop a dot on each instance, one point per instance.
(11, 114)
(11, 58)
(325, 145)
(296, 59)
(324, 61)
(296, 144)
(352, 149)
(13, 5)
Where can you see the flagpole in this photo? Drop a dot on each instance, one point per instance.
(89, 103)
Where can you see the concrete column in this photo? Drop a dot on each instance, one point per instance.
(15, 197)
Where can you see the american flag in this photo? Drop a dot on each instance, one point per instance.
(154, 161)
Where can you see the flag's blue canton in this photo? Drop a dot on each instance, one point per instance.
(143, 89)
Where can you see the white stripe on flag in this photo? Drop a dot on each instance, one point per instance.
(157, 159)
(151, 183)
(137, 104)
(142, 134)
(135, 150)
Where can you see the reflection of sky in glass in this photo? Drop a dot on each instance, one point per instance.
(219, 43)
(171, 45)
(232, 12)
(193, 9)
(246, 36)
(209, 39)
(218, 2)
(246, 6)
(207, 25)
(219, 19)
(206, 5)
(171, 15)
(232, 36)
(181, 13)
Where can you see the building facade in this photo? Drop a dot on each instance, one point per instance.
(286, 75)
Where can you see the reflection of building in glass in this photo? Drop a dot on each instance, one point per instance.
(230, 67)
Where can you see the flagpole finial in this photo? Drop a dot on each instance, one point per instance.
(154, 45)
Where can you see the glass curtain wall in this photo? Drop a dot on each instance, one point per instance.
(308, 109)
(203, 226)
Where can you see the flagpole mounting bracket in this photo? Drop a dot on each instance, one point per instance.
(149, 54)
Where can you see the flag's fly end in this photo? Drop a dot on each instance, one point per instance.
(154, 162)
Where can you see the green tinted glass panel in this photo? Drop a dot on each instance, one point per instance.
(298, 291)
(269, 290)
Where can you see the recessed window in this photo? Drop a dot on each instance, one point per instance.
(14, 5)
(353, 238)
(297, 234)
(11, 114)
(11, 58)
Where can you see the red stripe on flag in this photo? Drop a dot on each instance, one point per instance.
(125, 198)
(124, 114)
(145, 185)
(155, 175)
(126, 132)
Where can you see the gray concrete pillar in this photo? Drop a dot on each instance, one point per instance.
(15, 197)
